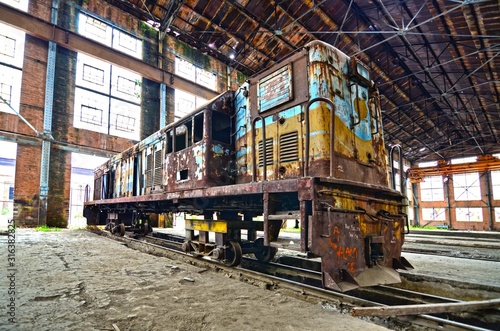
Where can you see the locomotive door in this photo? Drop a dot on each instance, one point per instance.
(361, 124)
(365, 118)
(289, 143)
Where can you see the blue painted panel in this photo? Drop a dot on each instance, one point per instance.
(275, 89)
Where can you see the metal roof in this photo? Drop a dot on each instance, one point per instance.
(436, 63)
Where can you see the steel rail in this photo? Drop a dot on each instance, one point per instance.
(298, 289)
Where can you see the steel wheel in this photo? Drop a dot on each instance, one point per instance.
(233, 254)
(122, 229)
(264, 253)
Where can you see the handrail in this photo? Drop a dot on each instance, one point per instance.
(377, 117)
(264, 155)
(401, 170)
(356, 108)
(308, 132)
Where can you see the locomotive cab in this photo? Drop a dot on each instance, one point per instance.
(199, 147)
(316, 117)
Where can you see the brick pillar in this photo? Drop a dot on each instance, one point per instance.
(27, 185)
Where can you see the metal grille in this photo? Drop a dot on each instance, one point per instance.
(149, 170)
(289, 150)
(269, 153)
(158, 173)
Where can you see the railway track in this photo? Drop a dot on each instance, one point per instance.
(301, 278)
(467, 245)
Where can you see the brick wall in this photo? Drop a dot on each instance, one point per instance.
(27, 183)
(66, 137)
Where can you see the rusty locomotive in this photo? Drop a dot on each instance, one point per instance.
(302, 140)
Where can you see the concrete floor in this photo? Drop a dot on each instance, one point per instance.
(76, 280)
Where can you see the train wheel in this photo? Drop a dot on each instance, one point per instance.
(233, 254)
(122, 229)
(145, 229)
(264, 253)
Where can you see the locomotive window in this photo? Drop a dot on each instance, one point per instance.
(359, 72)
(189, 130)
(180, 138)
(221, 127)
(170, 142)
(198, 128)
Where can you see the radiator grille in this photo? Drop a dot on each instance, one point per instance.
(289, 143)
(269, 153)
(158, 173)
(149, 170)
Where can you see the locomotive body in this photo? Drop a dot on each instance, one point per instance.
(302, 140)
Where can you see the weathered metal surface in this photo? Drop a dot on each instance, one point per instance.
(357, 229)
(281, 118)
(221, 226)
(358, 142)
(201, 225)
(233, 157)
(275, 89)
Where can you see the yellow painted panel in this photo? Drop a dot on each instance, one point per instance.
(211, 226)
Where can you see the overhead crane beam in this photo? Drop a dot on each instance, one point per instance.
(483, 164)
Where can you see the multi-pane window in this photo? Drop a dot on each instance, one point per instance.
(11, 64)
(99, 31)
(397, 177)
(7, 179)
(127, 43)
(469, 214)
(495, 184)
(427, 164)
(93, 75)
(497, 214)
(7, 46)
(467, 186)
(19, 4)
(186, 102)
(471, 159)
(107, 98)
(95, 29)
(434, 214)
(431, 189)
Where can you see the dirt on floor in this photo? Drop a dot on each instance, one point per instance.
(76, 280)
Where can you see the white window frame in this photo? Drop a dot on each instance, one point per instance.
(19, 4)
(432, 188)
(108, 35)
(111, 101)
(467, 186)
(434, 214)
(495, 184)
(469, 214)
(496, 215)
(11, 63)
(187, 102)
